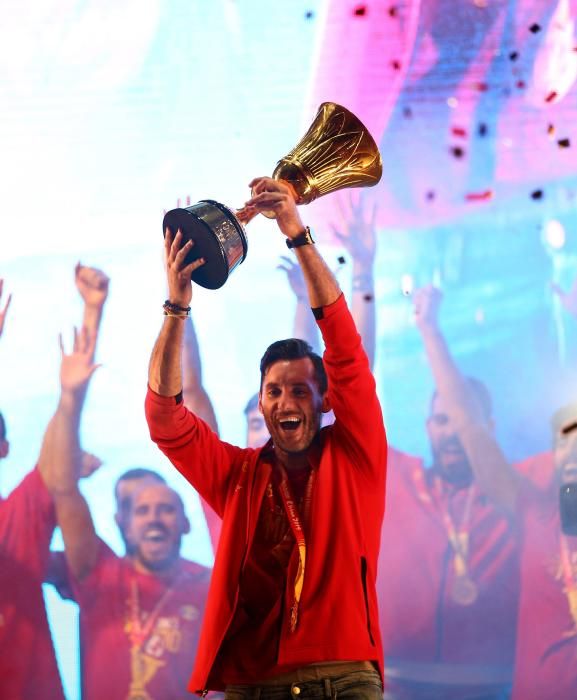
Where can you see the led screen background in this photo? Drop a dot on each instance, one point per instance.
(114, 111)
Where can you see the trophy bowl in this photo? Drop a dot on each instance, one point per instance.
(219, 238)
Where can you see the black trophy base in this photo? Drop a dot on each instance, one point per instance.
(218, 237)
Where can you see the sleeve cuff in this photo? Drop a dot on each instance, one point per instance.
(163, 400)
(321, 312)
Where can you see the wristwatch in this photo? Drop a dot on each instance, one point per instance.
(303, 238)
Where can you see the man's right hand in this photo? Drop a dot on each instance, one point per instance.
(177, 273)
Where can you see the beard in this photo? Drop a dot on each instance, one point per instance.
(294, 441)
(156, 559)
(451, 462)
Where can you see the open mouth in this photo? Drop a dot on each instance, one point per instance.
(290, 424)
(155, 535)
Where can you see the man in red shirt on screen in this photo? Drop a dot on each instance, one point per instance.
(28, 667)
(448, 571)
(140, 614)
(292, 607)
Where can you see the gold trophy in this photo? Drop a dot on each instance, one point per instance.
(336, 152)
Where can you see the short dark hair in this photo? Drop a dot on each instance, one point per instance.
(481, 394)
(251, 404)
(138, 473)
(2, 428)
(293, 349)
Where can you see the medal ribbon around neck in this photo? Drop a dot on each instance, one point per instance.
(291, 509)
(138, 633)
(569, 579)
(458, 537)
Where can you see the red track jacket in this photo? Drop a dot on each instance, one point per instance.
(338, 617)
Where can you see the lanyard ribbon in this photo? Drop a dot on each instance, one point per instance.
(458, 537)
(568, 578)
(291, 509)
(136, 631)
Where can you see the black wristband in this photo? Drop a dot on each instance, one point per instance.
(303, 238)
(175, 308)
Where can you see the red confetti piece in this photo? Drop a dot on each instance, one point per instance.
(479, 196)
(457, 151)
(564, 143)
(482, 87)
(535, 28)
(551, 96)
(360, 11)
(521, 84)
(393, 11)
(537, 194)
(396, 65)
(459, 131)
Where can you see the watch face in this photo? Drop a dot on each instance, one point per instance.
(568, 508)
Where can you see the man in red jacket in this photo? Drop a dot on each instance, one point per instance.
(292, 606)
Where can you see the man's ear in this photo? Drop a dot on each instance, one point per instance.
(187, 527)
(326, 404)
(260, 403)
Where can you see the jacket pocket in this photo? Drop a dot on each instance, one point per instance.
(366, 597)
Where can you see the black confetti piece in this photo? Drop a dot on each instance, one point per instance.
(360, 11)
(341, 260)
(537, 194)
(535, 28)
(457, 151)
(564, 143)
(514, 55)
(482, 129)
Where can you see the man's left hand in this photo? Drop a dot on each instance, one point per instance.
(275, 195)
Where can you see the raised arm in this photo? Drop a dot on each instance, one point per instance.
(352, 391)
(490, 467)
(92, 285)
(359, 240)
(165, 368)
(61, 458)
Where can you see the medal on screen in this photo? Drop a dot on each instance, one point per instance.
(336, 152)
(464, 590)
